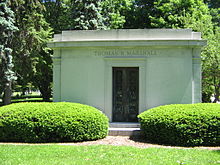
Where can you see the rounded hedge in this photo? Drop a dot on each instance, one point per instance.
(182, 124)
(51, 122)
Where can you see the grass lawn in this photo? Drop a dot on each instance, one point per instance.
(103, 154)
(33, 97)
(37, 99)
(26, 99)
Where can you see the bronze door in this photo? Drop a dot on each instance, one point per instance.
(125, 94)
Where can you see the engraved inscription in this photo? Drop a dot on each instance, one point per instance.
(124, 52)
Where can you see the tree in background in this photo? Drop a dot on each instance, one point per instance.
(7, 28)
(86, 15)
(57, 14)
(211, 74)
(163, 13)
(114, 12)
(214, 7)
(211, 68)
(43, 72)
(203, 21)
(139, 15)
(105, 14)
(29, 43)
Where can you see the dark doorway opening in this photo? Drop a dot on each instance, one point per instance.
(125, 94)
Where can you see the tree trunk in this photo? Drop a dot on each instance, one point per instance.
(7, 94)
(217, 93)
(46, 93)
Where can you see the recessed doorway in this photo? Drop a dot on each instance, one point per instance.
(125, 94)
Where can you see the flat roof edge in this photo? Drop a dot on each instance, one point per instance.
(127, 34)
(129, 43)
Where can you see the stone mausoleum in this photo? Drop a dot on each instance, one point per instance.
(125, 72)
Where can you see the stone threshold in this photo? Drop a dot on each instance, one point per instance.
(124, 129)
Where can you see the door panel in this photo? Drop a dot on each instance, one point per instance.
(125, 94)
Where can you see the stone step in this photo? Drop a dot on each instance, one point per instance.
(124, 125)
(124, 129)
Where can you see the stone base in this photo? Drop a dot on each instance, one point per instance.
(124, 129)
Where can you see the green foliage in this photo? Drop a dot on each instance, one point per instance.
(51, 122)
(213, 3)
(115, 11)
(203, 21)
(164, 13)
(7, 28)
(210, 54)
(183, 125)
(43, 73)
(67, 14)
(29, 43)
(57, 14)
(86, 15)
(211, 67)
(138, 17)
(6, 65)
(169, 13)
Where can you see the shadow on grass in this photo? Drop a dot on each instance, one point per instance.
(217, 152)
(142, 139)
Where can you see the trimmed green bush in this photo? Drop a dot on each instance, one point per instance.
(51, 122)
(182, 124)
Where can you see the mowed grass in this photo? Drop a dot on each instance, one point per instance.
(103, 154)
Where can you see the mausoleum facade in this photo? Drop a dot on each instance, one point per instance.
(125, 72)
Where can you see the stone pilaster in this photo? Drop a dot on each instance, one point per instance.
(57, 76)
(196, 82)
